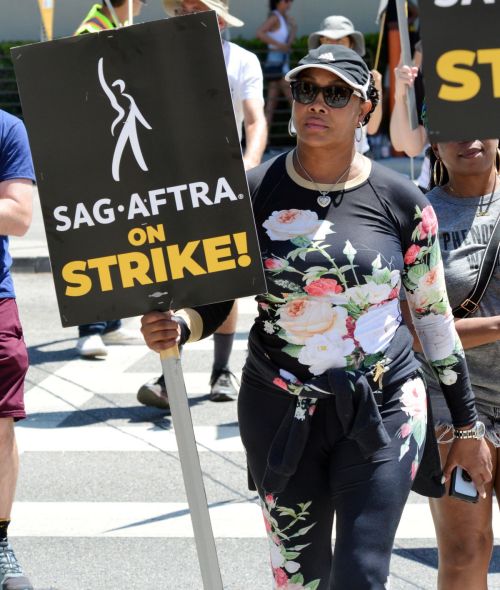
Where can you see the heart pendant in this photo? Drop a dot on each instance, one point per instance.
(324, 200)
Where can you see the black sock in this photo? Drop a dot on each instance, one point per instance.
(223, 345)
(4, 525)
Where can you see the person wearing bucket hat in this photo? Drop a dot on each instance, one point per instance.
(339, 30)
(332, 408)
(221, 7)
(278, 32)
(246, 83)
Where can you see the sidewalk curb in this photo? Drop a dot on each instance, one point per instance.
(31, 264)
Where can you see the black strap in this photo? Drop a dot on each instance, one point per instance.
(484, 275)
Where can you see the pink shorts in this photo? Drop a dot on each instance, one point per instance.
(13, 362)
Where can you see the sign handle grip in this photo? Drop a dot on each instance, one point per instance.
(404, 35)
(191, 469)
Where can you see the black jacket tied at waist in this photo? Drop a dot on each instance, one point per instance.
(357, 397)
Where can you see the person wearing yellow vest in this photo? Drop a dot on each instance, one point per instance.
(108, 15)
(94, 338)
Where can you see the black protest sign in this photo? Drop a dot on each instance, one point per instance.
(139, 168)
(461, 50)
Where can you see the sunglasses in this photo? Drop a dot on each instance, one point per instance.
(336, 97)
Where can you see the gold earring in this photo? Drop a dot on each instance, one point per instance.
(436, 172)
(498, 160)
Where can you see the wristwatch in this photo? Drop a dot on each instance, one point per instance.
(477, 431)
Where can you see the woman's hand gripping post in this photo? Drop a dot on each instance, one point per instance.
(160, 330)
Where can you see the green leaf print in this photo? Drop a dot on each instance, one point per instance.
(382, 277)
(353, 310)
(290, 555)
(294, 253)
(312, 585)
(287, 511)
(418, 431)
(415, 236)
(372, 359)
(408, 285)
(297, 579)
(293, 350)
(301, 241)
(299, 547)
(439, 308)
(273, 299)
(405, 447)
(344, 269)
(424, 250)
(418, 213)
(447, 362)
(303, 507)
(415, 273)
(282, 334)
(303, 531)
(435, 255)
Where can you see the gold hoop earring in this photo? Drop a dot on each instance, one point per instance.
(436, 172)
(498, 160)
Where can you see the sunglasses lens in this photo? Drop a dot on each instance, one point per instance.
(337, 97)
(304, 92)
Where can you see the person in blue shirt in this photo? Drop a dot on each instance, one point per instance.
(16, 188)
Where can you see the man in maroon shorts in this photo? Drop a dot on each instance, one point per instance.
(16, 189)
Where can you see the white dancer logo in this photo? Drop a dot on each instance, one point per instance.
(129, 129)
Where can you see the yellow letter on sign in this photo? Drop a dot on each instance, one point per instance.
(491, 56)
(447, 69)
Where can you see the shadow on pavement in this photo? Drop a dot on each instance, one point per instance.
(429, 556)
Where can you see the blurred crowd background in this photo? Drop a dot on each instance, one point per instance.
(21, 23)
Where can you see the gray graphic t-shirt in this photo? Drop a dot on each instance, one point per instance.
(463, 235)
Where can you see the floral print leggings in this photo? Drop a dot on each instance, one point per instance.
(333, 479)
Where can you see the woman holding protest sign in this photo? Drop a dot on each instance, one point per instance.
(332, 408)
(466, 197)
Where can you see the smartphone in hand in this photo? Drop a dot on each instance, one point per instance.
(462, 486)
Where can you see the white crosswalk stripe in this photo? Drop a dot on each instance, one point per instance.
(155, 519)
(124, 439)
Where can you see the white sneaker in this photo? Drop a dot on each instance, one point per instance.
(91, 346)
(122, 336)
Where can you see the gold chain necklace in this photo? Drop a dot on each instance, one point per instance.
(324, 198)
(480, 212)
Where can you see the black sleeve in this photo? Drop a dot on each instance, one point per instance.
(213, 315)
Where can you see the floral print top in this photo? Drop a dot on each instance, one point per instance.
(334, 275)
